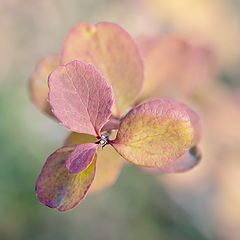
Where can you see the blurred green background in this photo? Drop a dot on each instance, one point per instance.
(138, 206)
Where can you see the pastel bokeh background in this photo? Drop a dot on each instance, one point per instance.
(201, 204)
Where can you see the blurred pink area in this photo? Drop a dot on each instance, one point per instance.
(216, 22)
(211, 187)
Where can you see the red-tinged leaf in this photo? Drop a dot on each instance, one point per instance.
(112, 124)
(39, 83)
(80, 97)
(81, 157)
(109, 163)
(186, 162)
(56, 187)
(155, 133)
(112, 50)
(175, 66)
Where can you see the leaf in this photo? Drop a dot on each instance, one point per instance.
(109, 166)
(80, 97)
(81, 157)
(112, 50)
(79, 138)
(39, 84)
(175, 66)
(186, 162)
(112, 124)
(196, 124)
(56, 187)
(109, 163)
(154, 133)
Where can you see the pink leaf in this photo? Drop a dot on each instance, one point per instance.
(112, 50)
(175, 66)
(81, 157)
(56, 187)
(80, 97)
(112, 124)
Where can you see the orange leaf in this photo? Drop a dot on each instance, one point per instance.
(155, 133)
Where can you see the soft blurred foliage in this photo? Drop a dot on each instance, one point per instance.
(201, 204)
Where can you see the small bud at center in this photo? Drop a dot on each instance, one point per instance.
(103, 140)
